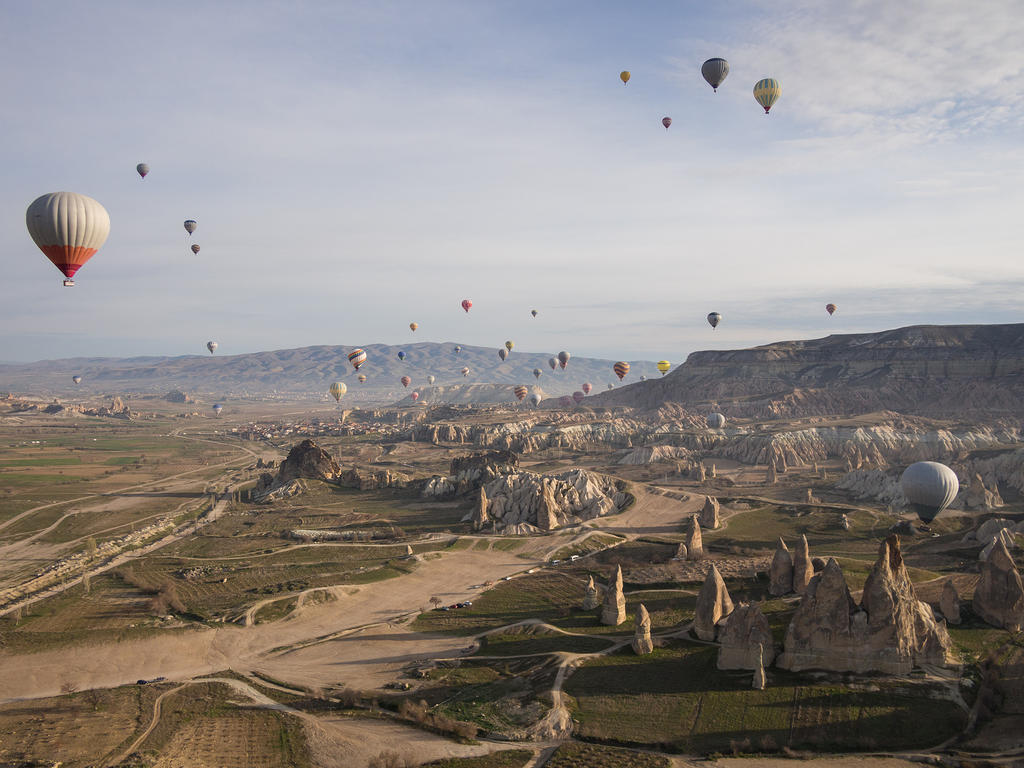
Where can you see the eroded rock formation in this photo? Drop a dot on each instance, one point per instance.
(613, 610)
(803, 568)
(591, 596)
(745, 638)
(642, 642)
(709, 513)
(713, 604)
(949, 603)
(999, 594)
(694, 541)
(309, 460)
(525, 502)
(780, 576)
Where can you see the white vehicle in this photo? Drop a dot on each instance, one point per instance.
(574, 558)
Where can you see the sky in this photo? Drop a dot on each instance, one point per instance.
(357, 166)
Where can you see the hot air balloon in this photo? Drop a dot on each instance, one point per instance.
(401, 355)
(77, 379)
(431, 379)
(831, 309)
(666, 121)
(502, 353)
(610, 385)
(716, 420)
(520, 392)
(217, 408)
(457, 349)
(621, 368)
(413, 326)
(930, 487)
(190, 225)
(587, 386)
(406, 381)
(338, 389)
(467, 304)
(624, 76)
(767, 92)
(553, 362)
(715, 71)
(415, 396)
(663, 366)
(565, 401)
(357, 357)
(68, 228)
(535, 398)
(533, 312)
(536, 373)
(212, 346)
(577, 397)
(465, 371)
(714, 319)
(642, 377)
(362, 378)
(509, 345)
(195, 248)
(142, 169)
(563, 359)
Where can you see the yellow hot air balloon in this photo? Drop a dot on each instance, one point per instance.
(624, 76)
(663, 366)
(338, 389)
(767, 92)
(509, 345)
(414, 326)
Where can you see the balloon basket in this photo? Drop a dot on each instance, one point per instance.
(69, 283)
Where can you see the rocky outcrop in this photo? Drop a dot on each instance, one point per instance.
(713, 604)
(613, 610)
(760, 679)
(780, 575)
(591, 596)
(694, 541)
(651, 454)
(470, 472)
(709, 513)
(308, 460)
(480, 516)
(681, 552)
(803, 567)
(525, 502)
(745, 639)
(642, 642)
(177, 396)
(1005, 537)
(999, 594)
(980, 497)
(370, 480)
(949, 603)
(890, 632)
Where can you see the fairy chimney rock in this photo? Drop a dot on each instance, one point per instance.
(713, 604)
(591, 597)
(949, 602)
(803, 568)
(709, 514)
(780, 575)
(999, 595)
(613, 612)
(744, 636)
(694, 542)
(642, 642)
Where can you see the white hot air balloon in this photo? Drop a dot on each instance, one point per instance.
(930, 487)
(68, 228)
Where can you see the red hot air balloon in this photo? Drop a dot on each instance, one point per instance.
(357, 357)
(666, 121)
(467, 304)
(577, 397)
(587, 386)
(406, 381)
(415, 396)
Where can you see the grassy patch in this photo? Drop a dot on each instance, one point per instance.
(577, 755)
(50, 461)
(595, 542)
(506, 758)
(524, 643)
(276, 610)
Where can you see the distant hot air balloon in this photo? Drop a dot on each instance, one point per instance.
(621, 368)
(565, 401)
(520, 392)
(610, 385)
(338, 389)
(77, 379)
(413, 326)
(714, 319)
(502, 353)
(357, 357)
(415, 396)
(577, 397)
(68, 228)
(535, 398)
(563, 359)
(217, 408)
(362, 378)
(509, 345)
(666, 121)
(553, 362)
(767, 92)
(467, 304)
(663, 366)
(930, 487)
(831, 309)
(533, 312)
(536, 373)
(624, 76)
(195, 248)
(715, 71)
(406, 381)
(431, 379)
(142, 169)
(465, 371)
(716, 420)
(642, 377)
(587, 386)
(401, 355)
(190, 225)
(212, 346)
(457, 349)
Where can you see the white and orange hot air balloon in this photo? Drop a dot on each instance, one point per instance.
(68, 228)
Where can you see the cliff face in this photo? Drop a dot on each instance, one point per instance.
(933, 370)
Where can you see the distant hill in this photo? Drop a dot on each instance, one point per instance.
(310, 371)
(935, 370)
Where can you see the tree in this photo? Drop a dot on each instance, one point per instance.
(90, 547)
(435, 601)
(68, 687)
(86, 582)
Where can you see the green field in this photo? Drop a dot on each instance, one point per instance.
(578, 755)
(506, 758)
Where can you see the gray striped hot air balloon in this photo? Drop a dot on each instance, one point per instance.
(716, 420)
(715, 71)
(142, 169)
(930, 487)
